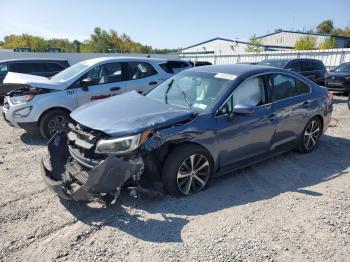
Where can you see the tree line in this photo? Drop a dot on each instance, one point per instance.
(100, 41)
(309, 42)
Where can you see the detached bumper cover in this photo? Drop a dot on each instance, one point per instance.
(107, 177)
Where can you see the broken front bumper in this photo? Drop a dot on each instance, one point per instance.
(70, 180)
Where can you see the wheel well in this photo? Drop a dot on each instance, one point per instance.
(321, 120)
(52, 109)
(172, 146)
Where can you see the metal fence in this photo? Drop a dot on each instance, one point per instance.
(330, 57)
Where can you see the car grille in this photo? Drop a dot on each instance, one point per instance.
(82, 143)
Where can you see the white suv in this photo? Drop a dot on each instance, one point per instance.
(42, 104)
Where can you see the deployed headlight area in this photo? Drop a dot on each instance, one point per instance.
(21, 99)
(25, 94)
(121, 145)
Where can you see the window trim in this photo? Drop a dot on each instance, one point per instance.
(270, 87)
(269, 102)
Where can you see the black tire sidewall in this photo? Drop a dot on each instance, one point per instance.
(174, 161)
(47, 117)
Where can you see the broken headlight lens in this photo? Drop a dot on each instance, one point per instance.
(120, 145)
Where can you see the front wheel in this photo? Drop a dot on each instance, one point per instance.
(53, 122)
(187, 170)
(310, 136)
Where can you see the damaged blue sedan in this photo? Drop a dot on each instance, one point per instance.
(203, 122)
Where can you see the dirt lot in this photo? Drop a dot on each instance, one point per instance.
(291, 208)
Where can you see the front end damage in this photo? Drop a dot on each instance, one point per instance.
(75, 178)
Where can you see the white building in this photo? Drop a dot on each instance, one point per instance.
(216, 46)
(280, 40)
(287, 39)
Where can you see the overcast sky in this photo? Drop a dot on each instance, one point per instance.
(167, 24)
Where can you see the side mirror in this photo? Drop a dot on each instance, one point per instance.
(242, 110)
(85, 83)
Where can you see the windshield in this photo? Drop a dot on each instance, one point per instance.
(274, 63)
(192, 90)
(343, 68)
(70, 72)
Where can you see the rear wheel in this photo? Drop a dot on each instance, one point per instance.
(187, 170)
(310, 137)
(53, 122)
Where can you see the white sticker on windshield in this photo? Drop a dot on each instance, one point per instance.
(225, 76)
(201, 106)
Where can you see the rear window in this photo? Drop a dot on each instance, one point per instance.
(172, 67)
(274, 63)
(52, 67)
(26, 68)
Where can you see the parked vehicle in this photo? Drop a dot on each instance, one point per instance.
(200, 63)
(339, 79)
(42, 104)
(39, 67)
(311, 68)
(205, 121)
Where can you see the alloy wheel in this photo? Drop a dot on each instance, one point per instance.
(193, 174)
(311, 134)
(56, 124)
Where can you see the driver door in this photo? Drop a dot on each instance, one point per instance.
(241, 137)
(104, 81)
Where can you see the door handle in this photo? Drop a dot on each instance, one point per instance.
(306, 104)
(153, 83)
(115, 88)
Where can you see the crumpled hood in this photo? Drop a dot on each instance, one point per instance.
(32, 80)
(129, 113)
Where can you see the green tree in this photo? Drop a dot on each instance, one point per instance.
(328, 43)
(255, 45)
(305, 43)
(325, 27)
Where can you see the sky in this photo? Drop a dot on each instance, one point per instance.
(165, 23)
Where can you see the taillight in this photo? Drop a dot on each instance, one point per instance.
(330, 95)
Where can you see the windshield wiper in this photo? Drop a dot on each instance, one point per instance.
(185, 97)
(167, 90)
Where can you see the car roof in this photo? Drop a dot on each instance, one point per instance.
(33, 60)
(119, 58)
(235, 69)
(292, 59)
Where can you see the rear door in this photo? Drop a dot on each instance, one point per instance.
(141, 76)
(107, 80)
(290, 108)
(245, 136)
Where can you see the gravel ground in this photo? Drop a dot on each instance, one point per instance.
(293, 207)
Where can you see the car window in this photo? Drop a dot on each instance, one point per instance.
(318, 65)
(306, 66)
(302, 88)
(138, 70)
(4, 69)
(250, 93)
(52, 67)
(26, 68)
(343, 68)
(283, 86)
(111, 73)
(294, 66)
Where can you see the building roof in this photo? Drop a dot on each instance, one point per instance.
(217, 38)
(304, 33)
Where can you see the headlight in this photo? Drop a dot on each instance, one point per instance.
(21, 99)
(22, 112)
(120, 145)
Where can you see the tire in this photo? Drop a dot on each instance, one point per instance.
(309, 139)
(53, 121)
(194, 178)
